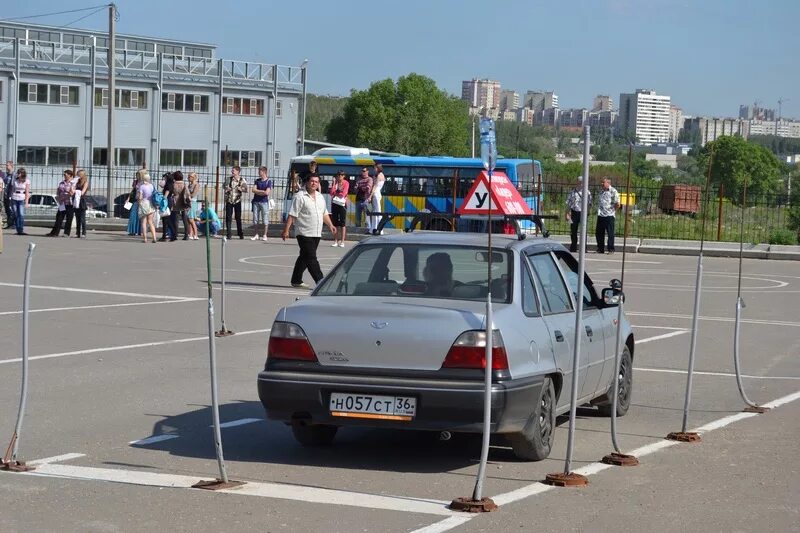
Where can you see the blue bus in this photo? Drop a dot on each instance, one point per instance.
(416, 183)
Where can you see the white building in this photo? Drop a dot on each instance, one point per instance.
(707, 129)
(509, 100)
(675, 122)
(483, 94)
(645, 116)
(602, 102)
(541, 100)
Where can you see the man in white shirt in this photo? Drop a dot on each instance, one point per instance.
(307, 214)
(607, 205)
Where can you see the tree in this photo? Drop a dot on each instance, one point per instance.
(320, 110)
(412, 116)
(736, 160)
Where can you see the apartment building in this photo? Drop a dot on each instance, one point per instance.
(645, 116)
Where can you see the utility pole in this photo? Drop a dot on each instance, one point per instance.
(112, 96)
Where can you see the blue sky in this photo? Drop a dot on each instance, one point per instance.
(708, 55)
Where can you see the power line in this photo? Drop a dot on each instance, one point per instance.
(85, 16)
(54, 13)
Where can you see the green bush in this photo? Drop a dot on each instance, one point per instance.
(782, 236)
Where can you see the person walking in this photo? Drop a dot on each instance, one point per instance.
(20, 198)
(262, 189)
(79, 204)
(64, 199)
(339, 192)
(308, 213)
(375, 198)
(233, 201)
(144, 197)
(9, 175)
(363, 192)
(574, 206)
(193, 188)
(607, 205)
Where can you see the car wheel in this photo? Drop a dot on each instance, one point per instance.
(314, 434)
(536, 440)
(625, 378)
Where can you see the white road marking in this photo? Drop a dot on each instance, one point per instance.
(664, 336)
(716, 319)
(657, 327)
(296, 292)
(153, 439)
(123, 347)
(52, 309)
(57, 458)
(267, 490)
(538, 487)
(721, 374)
(446, 524)
(240, 422)
(627, 261)
(94, 291)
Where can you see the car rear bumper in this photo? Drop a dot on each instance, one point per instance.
(441, 404)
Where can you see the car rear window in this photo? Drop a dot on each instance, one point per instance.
(421, 271)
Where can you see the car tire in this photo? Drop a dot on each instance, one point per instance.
(314, 434)
(536, 439)
(625, 378)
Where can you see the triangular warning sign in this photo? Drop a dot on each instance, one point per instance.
(505, 198)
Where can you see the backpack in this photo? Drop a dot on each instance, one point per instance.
(159, 201)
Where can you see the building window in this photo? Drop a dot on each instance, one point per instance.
(167, 49)
(243, 158)
(31, 155)
(42, 93)
(276, 164)
(61, 155)
(279, 108)
(244, 106)
(124, 156)
(125, 98)
(188, 158)
(197, 103)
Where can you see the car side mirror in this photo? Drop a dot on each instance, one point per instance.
(612, 297)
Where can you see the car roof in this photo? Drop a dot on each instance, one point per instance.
(444, 238)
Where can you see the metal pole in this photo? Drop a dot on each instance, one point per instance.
(719, 214)
(271, 160)
(155, 158)
(13, 148)
(93, 85)
(222, 279)
(25, 320)
(303, 123)
(112, 14)
(696, 313)
(212, 350)
(579, 303)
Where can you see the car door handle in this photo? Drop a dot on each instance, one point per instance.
(588, 331)
(559, 336)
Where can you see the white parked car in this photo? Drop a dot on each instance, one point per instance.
(45, 207)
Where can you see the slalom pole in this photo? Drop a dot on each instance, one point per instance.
(751, 406)
(11, 462)
(683, 435)
(567, 478)
(224, 331)
(617, 457)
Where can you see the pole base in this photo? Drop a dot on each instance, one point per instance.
(217, 484)
(757, 409)
(16, 466)
(566, 480)
(223, 333)
(468, 505)
(620, 459)
(684, 436)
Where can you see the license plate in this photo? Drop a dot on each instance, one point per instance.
(402, 408)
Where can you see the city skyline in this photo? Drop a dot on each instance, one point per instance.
(675, 47)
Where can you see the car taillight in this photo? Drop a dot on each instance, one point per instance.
(469, 351)
(288, 341)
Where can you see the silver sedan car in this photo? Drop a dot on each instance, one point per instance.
(394, 337)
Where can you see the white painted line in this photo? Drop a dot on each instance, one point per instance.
(716, 319)
(780, 401)
(267, 490)
(664, 336)
(56, 458)
(658, 327)
(295, 292)
(93, 291)
(722, 422)
(123, 347)
(240, 422)
(721, 374)
(446, 524)
(52, 309)
(521, 493)
(153, 439)
(627, 261)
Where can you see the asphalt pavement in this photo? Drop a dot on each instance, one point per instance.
(118, 414)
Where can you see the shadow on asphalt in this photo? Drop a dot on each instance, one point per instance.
(267, 441)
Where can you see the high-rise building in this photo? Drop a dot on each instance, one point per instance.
(573, 118)
(707, 129)
(509, 100)
(675, 122)
(644, 115)
(483, 94)
(602, 120)
(541, 100)
(755, 112)
(602, 102)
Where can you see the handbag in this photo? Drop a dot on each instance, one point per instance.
(127, 205)
(339, 200)
(271, 204)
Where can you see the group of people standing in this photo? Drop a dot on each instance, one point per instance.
(71, 199)
(369, 192)
(173, 199)
(16, 191)
(608, 203)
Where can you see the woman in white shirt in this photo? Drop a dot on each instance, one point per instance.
(375, 197)
(20, 197)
